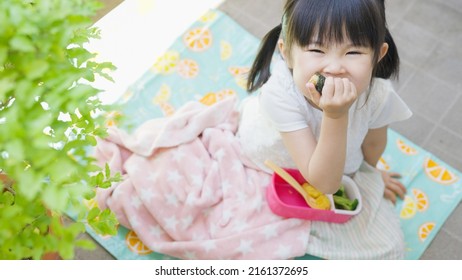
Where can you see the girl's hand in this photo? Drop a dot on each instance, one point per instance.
(337, 96)
(393, 187)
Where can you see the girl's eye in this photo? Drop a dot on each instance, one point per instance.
(354, 52)
(315, 50)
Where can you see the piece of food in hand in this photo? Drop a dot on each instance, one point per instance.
(341, 200)
(322, 202)
(318, 81)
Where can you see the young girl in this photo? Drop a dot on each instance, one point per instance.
(339, 131)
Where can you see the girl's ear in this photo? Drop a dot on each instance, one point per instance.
(383, 51)
(283, 52)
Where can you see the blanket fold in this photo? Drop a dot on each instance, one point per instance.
(189, 192)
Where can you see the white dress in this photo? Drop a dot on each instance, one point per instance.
(279, 107)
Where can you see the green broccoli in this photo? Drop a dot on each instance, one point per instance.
(341, 200)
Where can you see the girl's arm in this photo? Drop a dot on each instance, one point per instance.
(321, 163)
(373, 147)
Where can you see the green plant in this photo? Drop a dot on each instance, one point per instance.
(50, 117)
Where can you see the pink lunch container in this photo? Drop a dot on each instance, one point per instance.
(285, 201)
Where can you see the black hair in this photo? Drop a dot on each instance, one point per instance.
(361, 21)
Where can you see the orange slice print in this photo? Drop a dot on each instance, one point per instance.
(198, 39)
(166, 63)
(439, 173)
(238, 70)
(409, 208)
(135, 245)
(167, 109)
(163, 95)
(208, 17)
(382, 164)
(209, 99)
(405, 148)
(424, 230)
(127, 96)
(112, 118)
(188, 68)
(421, 198)
(226, 50)
(222, 94)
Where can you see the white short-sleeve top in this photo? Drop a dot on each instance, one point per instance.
(280, 107)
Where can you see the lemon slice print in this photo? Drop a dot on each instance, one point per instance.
(425, 229)
(405, 148)
(166, 63)
(439, 173)
(198, 39)
(135, 245)
(409, 208)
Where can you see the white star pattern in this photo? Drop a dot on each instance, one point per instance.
(245, 247)
(171, 199)
(213, 229)
(152, 177)
(227, 214)
(178, 155)
(190, 255)
(147, 194)
(270, 231)
(241, 226)
(156, 231)
(209, 245)
(283, 252)
(257, 203)
(198, 236)
(237, 165)
(117, 193)
(186, 221)
(191, 200)
(220, 154)
(197, 180)
(134, 222)
(173, 177)
(225, 186)
(199, 163)
(133, 168)
(170, 223)
(135, 201)
(241, 198)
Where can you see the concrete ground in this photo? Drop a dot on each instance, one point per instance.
(429, 36)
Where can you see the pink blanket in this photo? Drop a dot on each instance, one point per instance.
(189, 192)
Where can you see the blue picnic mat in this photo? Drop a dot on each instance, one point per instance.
(205, 63)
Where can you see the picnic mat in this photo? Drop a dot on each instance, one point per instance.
(205, 64)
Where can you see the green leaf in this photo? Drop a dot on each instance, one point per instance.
(85, 244)
(55, 198)
(36, 69)
(93, 213)
(22, 44)
(6, 84)
(3, 54)
(29, 184)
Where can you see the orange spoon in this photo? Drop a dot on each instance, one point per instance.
(291, 180)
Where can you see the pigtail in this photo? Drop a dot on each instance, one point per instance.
(389, 65)
(260, 71)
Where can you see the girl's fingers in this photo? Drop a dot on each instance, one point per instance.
(329, 88)
(339, 89)
(388, 194)
(346, 86)
(313, 94)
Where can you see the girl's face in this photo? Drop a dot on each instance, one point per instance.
(341, 60)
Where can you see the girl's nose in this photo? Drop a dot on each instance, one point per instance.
(334, 67)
